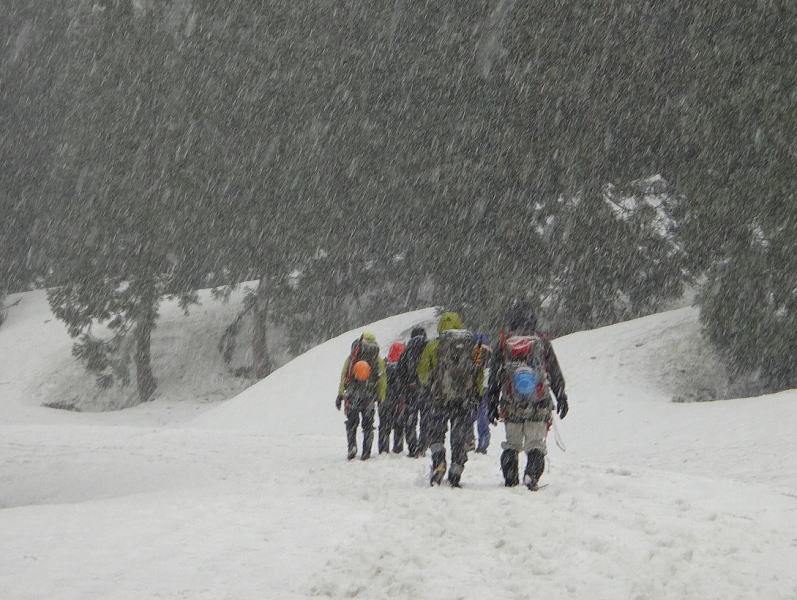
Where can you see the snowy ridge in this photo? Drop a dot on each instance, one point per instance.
(624, 378)
(297, 397)
(254, 498)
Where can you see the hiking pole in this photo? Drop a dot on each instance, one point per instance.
(558, 437)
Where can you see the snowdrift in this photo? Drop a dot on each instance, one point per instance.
(621, 380)
(253, 497)
(298, 396)
(37, 366)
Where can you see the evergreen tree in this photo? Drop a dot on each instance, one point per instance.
(32, 61)
(122, 240)
(739, 225)
(397, 155)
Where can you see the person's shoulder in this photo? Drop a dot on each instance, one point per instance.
(547, 343)
(429, 350)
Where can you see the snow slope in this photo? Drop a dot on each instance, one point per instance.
(38, 367)
(254, 499)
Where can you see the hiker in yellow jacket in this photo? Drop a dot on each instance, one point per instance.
(363, 383)
(453, 379)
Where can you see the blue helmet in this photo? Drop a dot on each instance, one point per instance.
(481, 338)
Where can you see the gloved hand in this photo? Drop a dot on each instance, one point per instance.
(492, 410)
(338, 401)
(561, 405)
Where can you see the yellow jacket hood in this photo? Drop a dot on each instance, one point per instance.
(449, 320)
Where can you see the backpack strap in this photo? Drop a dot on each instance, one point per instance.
(502, 355)
(353, 359)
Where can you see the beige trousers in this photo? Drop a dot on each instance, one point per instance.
(526, 436)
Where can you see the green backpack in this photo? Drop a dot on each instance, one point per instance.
(454, 378)
(368, 350)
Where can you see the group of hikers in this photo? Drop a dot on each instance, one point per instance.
(455, 381)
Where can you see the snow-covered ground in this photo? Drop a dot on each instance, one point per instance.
(253, 497)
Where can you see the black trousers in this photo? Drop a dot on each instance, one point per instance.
(461, 423)
(391, 419)
(360, 410)
(416, 421)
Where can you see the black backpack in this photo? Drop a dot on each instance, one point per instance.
(408, 363)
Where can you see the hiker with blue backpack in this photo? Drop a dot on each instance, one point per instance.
(453, 379)
(523, 375)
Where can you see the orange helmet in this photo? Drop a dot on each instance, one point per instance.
(362, 370)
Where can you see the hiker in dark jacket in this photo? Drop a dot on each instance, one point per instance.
(391, 409)
(524, 373)
(454, 378)
(482, 413)
(415, 405)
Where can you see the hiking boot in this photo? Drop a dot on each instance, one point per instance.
(509, 466)
(454, 474)
(368, 440)
(481, 450)
(352, 452)
(365, 456)
(437, 475)
(535, 465)
(398, 448)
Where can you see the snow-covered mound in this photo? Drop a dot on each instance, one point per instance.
(38, 367)
(254, 498)
(622, 379)
(297, 397)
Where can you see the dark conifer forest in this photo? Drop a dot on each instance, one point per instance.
(359, 159)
